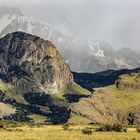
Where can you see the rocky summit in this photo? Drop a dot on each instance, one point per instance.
(33, 64)
(35, 82)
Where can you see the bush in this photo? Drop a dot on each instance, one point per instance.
(117, 128)
(65, 127)
(13, 129)
(87, 131)
(104, 128)
(1, 126)
(109, 127)
(138, 130)
(124, 129)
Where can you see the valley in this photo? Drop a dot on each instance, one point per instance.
(69, 70)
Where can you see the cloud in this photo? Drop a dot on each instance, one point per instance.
(20, 2)
(116, 21)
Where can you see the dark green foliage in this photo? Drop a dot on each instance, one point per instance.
(110, 127)
(20, 116)
(138, 129)
(66, 127)
(117, 127)
(130, 118)
(124, 129)
(10, 124)
(87, 131)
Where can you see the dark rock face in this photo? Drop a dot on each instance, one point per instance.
(33, 64)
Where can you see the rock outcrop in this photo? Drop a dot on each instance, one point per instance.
(35, 80)
(33, 64)
(131, 81)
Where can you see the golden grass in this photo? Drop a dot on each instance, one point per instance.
(38, 118)
(129, 98)
(56, 132)
(130, 79)
(7, 109)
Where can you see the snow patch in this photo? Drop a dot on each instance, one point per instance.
(95, 49)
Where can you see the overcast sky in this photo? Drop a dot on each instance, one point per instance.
(115, 21)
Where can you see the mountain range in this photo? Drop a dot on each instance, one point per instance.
(36, 82)
(81, 54)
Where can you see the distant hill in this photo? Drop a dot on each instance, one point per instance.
(116, 103)
(100, 79)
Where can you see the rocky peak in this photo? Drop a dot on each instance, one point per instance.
(33, 64)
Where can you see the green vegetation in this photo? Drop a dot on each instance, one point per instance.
(110, 128)
(128, 98)
(76, 89)
(138, 129)
(109, 104)
(72, 90)
(87, 131)
(66, 127)
(12, 91)
(22, 131)
(130, 78)
(37, 118)
(77, 118)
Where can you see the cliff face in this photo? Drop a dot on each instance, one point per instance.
(131, 80)
(33, 64)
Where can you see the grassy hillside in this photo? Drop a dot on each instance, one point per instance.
(129, 98)
(38, 118)
(109, 104)
(133, 78)
(12, 92)
(6, 109)
(54, 106)
(75, 89)
(129, 81)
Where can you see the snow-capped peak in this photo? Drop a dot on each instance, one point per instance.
(95, 49)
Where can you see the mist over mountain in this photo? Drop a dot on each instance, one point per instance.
(81, 53)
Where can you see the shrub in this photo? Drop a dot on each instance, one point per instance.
(1, 126)
(138, 130)
(66, 127)
(124, 129)
(87, 131)
(109, 127)
(13, 129)
(117, 128)
(104, 128)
